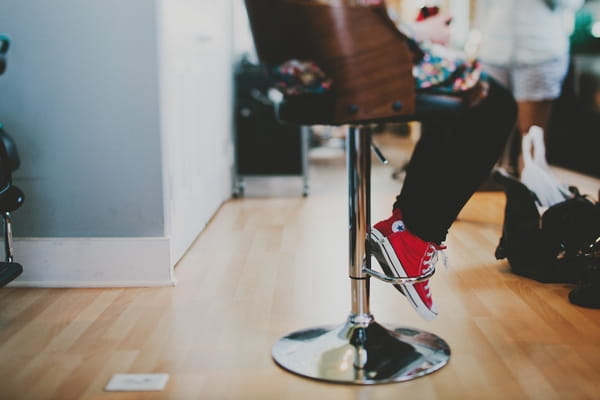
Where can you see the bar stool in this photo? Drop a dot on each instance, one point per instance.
(370, 64)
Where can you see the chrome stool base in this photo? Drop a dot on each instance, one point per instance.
(361, 352)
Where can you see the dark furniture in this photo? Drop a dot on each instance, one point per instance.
(264, 146)
(11, 197)
(574, 131)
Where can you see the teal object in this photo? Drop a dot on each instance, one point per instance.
(582, 40)
(4, 43)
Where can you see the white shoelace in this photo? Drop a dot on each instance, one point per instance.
(431, 261)
(432, 255)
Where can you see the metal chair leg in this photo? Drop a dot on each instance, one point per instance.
(9, 270)
(360, 351)
(8, 239)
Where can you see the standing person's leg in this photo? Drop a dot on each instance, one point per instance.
(536, 87)
(534, 113)
(531, 113)
(450, 161)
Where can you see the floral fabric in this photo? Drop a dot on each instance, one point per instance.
(445, 72)
(436, 71)
(296, 77)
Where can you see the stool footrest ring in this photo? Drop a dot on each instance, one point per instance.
(398, 280)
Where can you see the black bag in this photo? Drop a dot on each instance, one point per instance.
(587, 293)
(546, 248)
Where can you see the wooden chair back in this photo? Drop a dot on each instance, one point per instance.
(358, 47)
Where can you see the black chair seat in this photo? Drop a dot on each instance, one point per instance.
(9, 271)
(318, 109)
(11, 199)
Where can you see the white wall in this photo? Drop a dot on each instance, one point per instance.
(196, 103)
(243, 43)
(121, 114)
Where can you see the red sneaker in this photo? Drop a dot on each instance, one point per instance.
(408, 256)
(388, 226)
(380, 231)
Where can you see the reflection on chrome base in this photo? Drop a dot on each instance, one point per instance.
(361, 352)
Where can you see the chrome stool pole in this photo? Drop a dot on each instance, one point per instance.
(361, 351)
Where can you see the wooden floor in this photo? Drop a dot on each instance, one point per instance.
(266, 266)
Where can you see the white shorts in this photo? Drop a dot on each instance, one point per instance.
(532, 82)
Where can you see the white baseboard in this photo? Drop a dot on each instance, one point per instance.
(93, 262)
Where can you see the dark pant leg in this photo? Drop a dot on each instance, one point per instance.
(452, 158)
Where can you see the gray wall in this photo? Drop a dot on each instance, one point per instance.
(81, 99)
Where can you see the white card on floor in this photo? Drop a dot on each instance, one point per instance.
(137, 382)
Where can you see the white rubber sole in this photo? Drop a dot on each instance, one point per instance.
(394, 267)
(375, 244)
